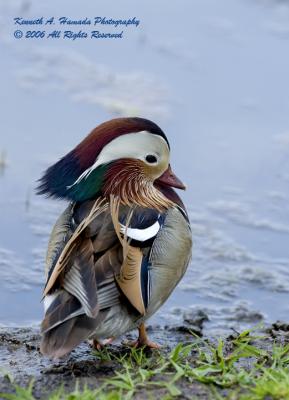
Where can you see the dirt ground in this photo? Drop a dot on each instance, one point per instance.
(21, 360)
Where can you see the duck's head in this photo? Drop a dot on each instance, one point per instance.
(126, 157)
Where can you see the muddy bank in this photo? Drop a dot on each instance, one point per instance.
(21, 361)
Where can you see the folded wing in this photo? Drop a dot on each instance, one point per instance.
(90, 265)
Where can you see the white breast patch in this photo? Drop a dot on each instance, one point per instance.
(141, 235)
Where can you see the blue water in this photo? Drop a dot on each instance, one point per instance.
(214, 76)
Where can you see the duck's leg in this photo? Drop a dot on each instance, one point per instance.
(96, 345)
(143, 340)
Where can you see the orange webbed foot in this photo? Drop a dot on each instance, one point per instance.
(143, 340)
(97, 345)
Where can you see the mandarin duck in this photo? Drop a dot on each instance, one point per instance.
(123, 243)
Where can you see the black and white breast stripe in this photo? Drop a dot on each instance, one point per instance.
(141, 233)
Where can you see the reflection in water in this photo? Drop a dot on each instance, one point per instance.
(3, 162)
(215, 79)
(94, 84)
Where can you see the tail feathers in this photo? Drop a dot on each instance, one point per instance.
(60, 340)
(65, 324)
(60, 312)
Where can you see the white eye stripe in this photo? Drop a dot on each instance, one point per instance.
(131, 145)
(141, 235)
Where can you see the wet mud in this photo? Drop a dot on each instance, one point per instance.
(21, 360)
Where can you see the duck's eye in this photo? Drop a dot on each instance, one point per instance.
(150, 158)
